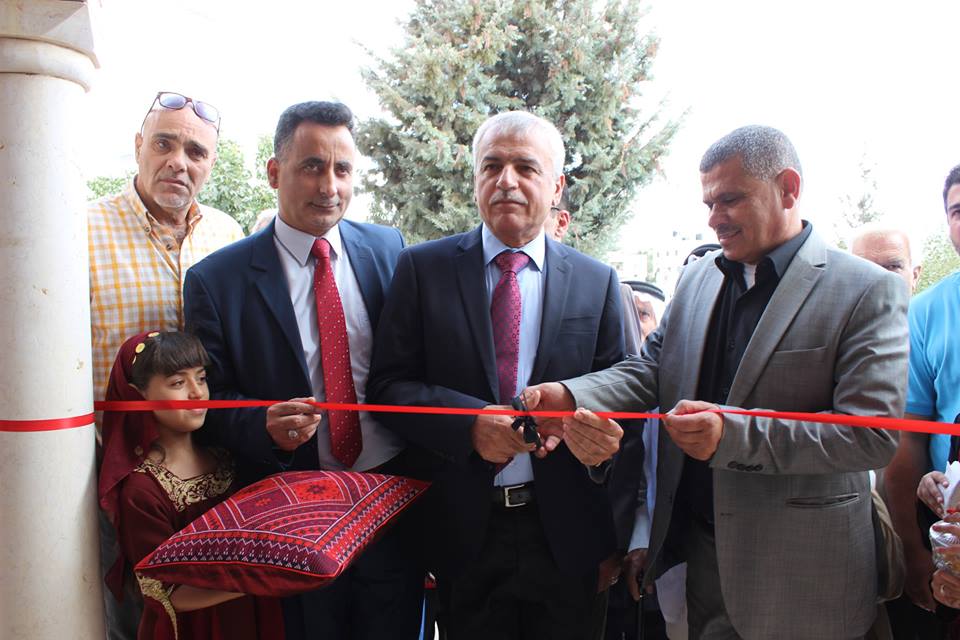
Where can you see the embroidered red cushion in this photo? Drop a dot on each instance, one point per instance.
(288, 533)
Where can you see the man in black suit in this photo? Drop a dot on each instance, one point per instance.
(290, 313)
(518, 531)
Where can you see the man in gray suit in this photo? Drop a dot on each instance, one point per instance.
(772, 515)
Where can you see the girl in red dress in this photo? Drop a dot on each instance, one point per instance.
(155, 480)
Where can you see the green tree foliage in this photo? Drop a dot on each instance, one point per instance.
(106, 185)
(576, 63)
(264, 153)
(233, 189)
(940, 259)
(860, 209)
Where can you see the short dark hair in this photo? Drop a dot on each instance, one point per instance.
(331, 114)
(764, 152)
(165, 354)
(952, 178)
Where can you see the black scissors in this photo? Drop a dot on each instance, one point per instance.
(529, 425)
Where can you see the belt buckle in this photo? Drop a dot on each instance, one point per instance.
(507, 502)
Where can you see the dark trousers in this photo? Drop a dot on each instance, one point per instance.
(121, 617)
(910, 622)
(623, 620)
(514, 590)
(380, 596)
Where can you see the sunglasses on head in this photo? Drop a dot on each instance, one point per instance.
(176, 101)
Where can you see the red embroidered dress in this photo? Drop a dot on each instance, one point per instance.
(147, 504)
(155, 504)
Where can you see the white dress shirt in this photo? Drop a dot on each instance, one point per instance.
(293, 248)
(531, 280)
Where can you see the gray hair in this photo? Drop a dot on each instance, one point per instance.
(517, 123)
(764, 152)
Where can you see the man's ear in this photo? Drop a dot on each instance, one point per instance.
(563, 222)
(558, 190)
(137, 143)
(273, 173)
(788, 183)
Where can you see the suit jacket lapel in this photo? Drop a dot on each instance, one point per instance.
(558, 272)
(268, 276)
(469, 267)
(792, 291)
(693, 315)
(361, 260)
(695, 327)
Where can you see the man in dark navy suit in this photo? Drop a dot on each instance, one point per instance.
(518, 530)
(290, 313)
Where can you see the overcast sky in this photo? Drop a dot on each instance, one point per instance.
(843, 79)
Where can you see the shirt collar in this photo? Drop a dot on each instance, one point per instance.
(492, 247)
(147, 220)
(298, 243)
(780, 257)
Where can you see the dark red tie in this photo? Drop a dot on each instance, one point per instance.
(346, 441)
(505, 317)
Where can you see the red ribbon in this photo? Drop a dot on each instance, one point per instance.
(53, 424)
(877, 422)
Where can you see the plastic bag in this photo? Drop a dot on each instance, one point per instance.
(938, 542)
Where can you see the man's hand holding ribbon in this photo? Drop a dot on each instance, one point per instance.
(590, 438)
(694, 428)
(292, 423)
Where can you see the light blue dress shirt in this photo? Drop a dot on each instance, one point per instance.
(293, 249)
(532, 282)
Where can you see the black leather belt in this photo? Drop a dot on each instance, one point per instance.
(515, 495)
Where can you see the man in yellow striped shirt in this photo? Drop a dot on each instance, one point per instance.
(141, 242)
(143, 239)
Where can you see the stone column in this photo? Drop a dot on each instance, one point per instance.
(49, 556)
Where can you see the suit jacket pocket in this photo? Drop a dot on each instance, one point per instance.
(823, 502)
(798, 357)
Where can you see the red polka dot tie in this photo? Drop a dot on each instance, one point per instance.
(505, 317)
(346, 441)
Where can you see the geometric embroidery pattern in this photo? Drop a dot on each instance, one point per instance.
(288, 533)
